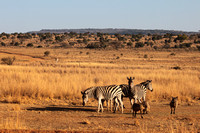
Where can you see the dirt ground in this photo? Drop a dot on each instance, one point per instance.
(61, 117)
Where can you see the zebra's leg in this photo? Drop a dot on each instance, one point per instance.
(107, 105)
(122, 100)
(114, 105)
(141, 114)
(111, 105)
(143, 98)
(121, 103)
(139, 100)
(131, 101)
(171, 110)
(135, 99)
(174, 110)
(99, 105)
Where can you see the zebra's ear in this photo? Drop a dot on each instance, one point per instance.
(133, 78)
(128, 78)
(82, 92)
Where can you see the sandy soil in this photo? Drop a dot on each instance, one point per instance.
(49, 117)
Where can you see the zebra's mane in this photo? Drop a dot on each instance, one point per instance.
(89, 89)
(145, 83)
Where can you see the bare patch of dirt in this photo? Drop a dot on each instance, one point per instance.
(76, 118)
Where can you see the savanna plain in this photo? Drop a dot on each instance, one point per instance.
(43, 93)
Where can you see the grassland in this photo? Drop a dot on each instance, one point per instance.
(35, 79)
(36, 76)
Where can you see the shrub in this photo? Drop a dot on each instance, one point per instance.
(173, 54)
(139, 44)
(176, 68)
(155, 47)
(29, 45)
(198, 47)
(145, 56)
(8, 60)
(39, 46)
(130, 44)
(93, 46)
(46, 53)
(166, 46)
(185, 45)
(181, 37)
(16, 44)
(3, 44)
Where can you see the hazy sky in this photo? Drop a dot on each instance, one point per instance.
(31, 15)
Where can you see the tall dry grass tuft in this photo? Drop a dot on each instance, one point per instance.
(67, 82)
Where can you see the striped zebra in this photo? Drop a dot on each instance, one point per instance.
(126, 91)
(137, 92)
(111, 92)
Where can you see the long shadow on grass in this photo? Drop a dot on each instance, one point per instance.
(56, 108)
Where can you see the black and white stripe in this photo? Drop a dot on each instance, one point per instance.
(139, 91)
(111, 92)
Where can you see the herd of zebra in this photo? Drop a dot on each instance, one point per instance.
(115, 94)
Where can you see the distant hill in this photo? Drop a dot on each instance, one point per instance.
(113, 31)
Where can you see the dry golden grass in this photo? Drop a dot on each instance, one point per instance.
(35, 76)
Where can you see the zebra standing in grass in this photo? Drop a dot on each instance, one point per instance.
(126, 90)
(111, 92)
(138, 91)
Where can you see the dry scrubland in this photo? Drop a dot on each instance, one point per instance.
(78, 69)
(34, 78)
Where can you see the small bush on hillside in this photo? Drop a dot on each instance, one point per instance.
(29, 45)
(46, 53)
(185, 45)
(139, 44)
(8, 60)
(155, 47)
(3, 44)
(145, 56)
(166, 46)
(173, 54)
(16, 44)
(39, 46)
(93, 46)
(176, 68)
(181, 38)
(130, 44)
(198, 47)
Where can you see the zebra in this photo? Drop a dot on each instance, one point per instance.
(126, 90)
(100, 93)
(138, 91)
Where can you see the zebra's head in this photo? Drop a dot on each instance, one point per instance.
(130, 81)
(149, 85)
(84, 97)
